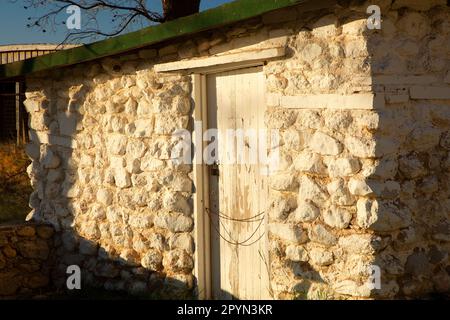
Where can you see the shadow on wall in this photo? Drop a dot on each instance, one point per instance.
(407, 195)
(401, 158)
(77, 217)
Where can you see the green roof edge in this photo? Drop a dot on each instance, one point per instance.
(228, 13)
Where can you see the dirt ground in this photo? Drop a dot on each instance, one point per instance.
(15, 185)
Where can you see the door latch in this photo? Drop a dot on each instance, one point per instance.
(214, 169)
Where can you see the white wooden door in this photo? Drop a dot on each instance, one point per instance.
(238, 191)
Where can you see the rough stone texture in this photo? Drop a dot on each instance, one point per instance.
(25, 259)
(367, 187)
(377, 177)
(110, 188)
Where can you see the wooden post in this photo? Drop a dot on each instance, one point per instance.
(24, 114)
(19, 115)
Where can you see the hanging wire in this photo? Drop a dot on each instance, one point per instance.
(243, 243)
(224, 216)
(247, 220)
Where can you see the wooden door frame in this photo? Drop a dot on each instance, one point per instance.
(202, 223)
(202, 239)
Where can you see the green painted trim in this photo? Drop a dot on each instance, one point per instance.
(228, 13)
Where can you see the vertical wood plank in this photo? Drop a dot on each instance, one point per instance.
(199, 265)
(205, 183)
(238, 99)
(212, 89)
(201, 231)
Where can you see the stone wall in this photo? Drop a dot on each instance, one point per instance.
(101, 170)
(369, 187)
(24, 260)
(411, 68)
(365, 155)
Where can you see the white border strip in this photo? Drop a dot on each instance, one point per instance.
(364, 101)
(235, 58)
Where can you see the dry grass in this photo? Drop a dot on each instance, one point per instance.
(15, 186)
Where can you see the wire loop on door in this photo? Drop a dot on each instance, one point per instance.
(256, 218)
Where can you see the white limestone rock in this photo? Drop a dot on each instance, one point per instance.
(117, 144)
(385, 168)
(178, 261)
(175, 201)
(177, 182)
(359, 187)
(296, 253)
(122, 178)
(361, 147)
(136, 149)
(337, 217)
(49, 159)
(381, 215)
(339, 194)
(182, 241)
(149, 163)
(152, 260)
(169, 123)
(310, 190)
(280, 119)
(116, 215)
(320, 234)
(175, 222)
(283, 182)
(320, 257)
(309, 162)
(310, 52)
(281, 207)
(324, 144)
(351, 288)
(368, 187)
(306, 212)
(288, 232)
(141, 220)
(342, 167)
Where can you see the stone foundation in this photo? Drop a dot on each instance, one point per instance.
(25, 262)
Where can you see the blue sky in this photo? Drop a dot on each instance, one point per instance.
(13, 21)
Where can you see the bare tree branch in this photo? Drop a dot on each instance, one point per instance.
(104, 18)
(88, 33)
